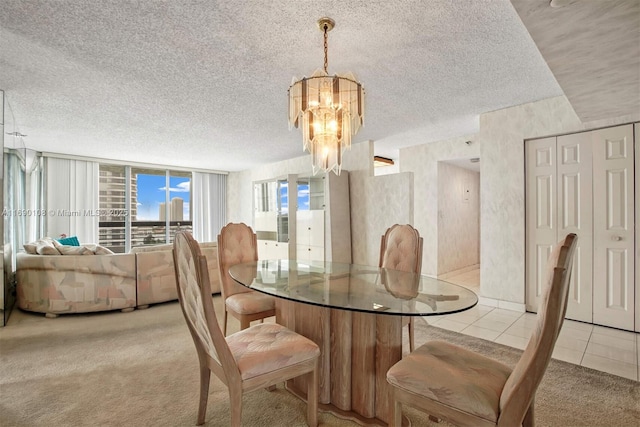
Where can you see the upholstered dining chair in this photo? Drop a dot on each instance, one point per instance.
(401, 249)
(467, 389)
(253, 358)
(238, 243)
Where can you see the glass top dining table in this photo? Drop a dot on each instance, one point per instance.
(354, 287)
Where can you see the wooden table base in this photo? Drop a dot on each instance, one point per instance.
(357, 349)
(345, 415)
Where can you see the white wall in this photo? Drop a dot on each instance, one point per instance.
(458, 218)
(423, 160)
(376, 204)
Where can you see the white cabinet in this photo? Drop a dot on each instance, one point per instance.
(584, 184)
(270, 249)
(310, 235)
(323, 218)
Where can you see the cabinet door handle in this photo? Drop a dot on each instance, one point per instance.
(616, 238)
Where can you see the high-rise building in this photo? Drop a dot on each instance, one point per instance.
(113, 206)
(112, 193)
(162, 214)
(176, 210)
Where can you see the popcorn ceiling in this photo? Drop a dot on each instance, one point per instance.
(204, 84)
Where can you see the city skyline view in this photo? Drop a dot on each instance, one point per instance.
(151, 192)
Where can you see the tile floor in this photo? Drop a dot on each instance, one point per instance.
(605, 349)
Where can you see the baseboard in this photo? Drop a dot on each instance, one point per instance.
(459, 271)
(507, 305)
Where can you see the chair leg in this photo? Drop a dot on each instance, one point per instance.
(412, 341)
(528, 420)
(235, 398)
(244, 323)
(312, 397)
(395, 419)
(224, 323)
(205, 377)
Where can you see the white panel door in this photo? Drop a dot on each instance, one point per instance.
(614, 220)
(574, 159)
(541, 228)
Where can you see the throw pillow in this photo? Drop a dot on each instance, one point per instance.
(70, 241)
(46, 247)
(101, 250)
(74, 250)
(31, 248)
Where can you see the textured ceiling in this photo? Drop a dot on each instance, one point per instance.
(204, 84)
(593, 49)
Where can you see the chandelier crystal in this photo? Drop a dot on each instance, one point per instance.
(328, 109)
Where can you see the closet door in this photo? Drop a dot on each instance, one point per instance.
(614, 220)
(541, 228)
(575, 216)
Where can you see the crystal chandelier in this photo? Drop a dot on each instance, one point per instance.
(329, 109)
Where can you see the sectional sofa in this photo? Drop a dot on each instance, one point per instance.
(80, 283)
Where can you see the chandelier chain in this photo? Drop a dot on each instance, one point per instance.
(326, 49)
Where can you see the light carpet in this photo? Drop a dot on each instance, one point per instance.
(141, 369)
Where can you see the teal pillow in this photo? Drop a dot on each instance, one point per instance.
(69, 241)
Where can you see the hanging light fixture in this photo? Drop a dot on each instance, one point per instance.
(329, 109)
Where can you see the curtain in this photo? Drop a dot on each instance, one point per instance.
(72, 198)
(209, 205)
(15, 218)
(33, 169)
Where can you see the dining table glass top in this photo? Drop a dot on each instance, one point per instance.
(354, 287)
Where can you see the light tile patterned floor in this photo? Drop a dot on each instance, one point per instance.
(597, 347)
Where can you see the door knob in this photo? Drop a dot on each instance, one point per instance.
(616, 238)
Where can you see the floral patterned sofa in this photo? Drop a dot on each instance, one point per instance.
(56, 284)
(89, 279)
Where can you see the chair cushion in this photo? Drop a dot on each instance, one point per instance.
(268, 347)
(452, 376)
(250, 302)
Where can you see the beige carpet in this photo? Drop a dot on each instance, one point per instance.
(141, 369)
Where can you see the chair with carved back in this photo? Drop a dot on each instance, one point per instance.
(468, 389)
(237, 243)
(257, 357)
(401, 249)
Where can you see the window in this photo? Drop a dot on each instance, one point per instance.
(141, 206)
